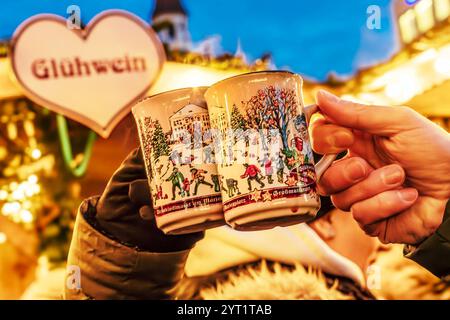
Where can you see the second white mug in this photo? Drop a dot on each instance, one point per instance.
(264, 156)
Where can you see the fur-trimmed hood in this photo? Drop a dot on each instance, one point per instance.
(400, 279)
(280, 283)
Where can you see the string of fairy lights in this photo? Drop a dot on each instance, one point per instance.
(16, 196)
(24, 162)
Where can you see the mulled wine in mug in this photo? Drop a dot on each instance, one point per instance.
(184, 183)
(263, 152)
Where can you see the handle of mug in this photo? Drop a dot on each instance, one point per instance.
(327, 159)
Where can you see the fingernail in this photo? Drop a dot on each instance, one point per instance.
(355, 170)
(391, 175)
(341, 139)
(328, 95)
(408, 195)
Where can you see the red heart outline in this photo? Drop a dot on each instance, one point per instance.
(84, 35)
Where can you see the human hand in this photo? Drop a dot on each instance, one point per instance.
(395, 178)
(125, 211)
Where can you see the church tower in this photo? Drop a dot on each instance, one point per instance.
(171, 23)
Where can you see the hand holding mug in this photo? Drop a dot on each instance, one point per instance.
(263, 150)
(173, 129)
(395, 178)
(125, 212)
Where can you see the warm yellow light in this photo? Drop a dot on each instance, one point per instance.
(36, 188)
(33, 178)
(26, 204)
(3, 194)
(10, 208)
(179, 75)
(13, 185)
(424, 13)
(441, 9)
(18, 194)
(26, 216)
(403, 87)
(425, 57)
(36, 154)
(442, 63)
(29, 192)
(3, 238)
(408, 27)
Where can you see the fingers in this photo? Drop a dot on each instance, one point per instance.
(383, 179)
(343, 174)
(412, 225)
(329, 138)
(373, 119)
(383, 205)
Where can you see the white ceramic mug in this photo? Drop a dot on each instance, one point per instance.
(263, 151)
(184, 184)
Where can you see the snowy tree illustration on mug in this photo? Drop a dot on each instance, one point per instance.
(273, 113)
(175, 150)
(183, 178)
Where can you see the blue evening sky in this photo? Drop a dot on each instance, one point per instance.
(312, 37)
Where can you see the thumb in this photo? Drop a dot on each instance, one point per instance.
(377, 120)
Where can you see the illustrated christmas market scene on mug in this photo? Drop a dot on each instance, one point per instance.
(265, 135)
(183, 172)
(268, 138)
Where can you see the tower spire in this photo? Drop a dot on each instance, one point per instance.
(170, 21)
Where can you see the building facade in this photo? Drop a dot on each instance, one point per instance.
(184, 120)
(416, 17)
(170, 20)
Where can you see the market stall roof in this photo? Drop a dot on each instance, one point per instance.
(414, 75)
(433, 102)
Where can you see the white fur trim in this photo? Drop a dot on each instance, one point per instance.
(297, 244)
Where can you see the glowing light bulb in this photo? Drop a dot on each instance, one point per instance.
(29, 192)
(10, 208)
(36, 153)
(18, 194)
(26, 216)
(33, 178)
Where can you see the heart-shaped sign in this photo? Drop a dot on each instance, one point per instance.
(92, 75)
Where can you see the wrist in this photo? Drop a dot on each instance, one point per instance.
(88, 210)
(429, 253)
(135, 232)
